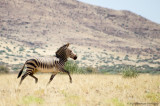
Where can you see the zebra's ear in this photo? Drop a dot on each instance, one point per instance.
(67, 44)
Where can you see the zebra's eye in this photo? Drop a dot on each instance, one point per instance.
(70, 52)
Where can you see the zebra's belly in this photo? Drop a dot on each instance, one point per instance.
(54, 70)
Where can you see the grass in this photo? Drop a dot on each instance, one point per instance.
(115, 102)
(153, 97)
(86, 90)
(27, 100)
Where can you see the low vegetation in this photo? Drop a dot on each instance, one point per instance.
(91, 70)
(86, 90)
(3, 69)
(72, 67)
(129, 72)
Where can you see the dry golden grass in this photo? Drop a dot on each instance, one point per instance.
(86, 90)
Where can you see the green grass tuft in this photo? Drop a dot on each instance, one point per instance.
(153, 97)
(32, 100)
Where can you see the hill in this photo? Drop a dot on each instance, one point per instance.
(100, 36)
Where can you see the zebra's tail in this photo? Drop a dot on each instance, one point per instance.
(20, 73)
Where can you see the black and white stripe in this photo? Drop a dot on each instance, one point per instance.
(50, 64)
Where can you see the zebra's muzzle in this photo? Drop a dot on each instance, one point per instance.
(75, 57)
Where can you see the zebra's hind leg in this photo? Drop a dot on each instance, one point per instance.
(51, 78)
(36, 79)
(23, 77)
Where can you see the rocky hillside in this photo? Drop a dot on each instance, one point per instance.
(100, 36)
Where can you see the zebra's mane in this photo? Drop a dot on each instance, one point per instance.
(61, 52)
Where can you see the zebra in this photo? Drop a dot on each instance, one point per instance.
(54, 64)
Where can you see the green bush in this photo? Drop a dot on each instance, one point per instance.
(73, 67)
(21, 49)
(3, 69)
(2, 51)
(126, 57)
(129, 72)
(9, 50)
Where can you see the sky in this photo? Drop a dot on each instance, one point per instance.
(150, 9)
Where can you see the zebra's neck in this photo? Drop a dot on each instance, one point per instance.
(62, 57)
(62, 60)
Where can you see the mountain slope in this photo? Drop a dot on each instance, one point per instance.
(49, 24)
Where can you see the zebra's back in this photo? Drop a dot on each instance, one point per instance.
(43, 64)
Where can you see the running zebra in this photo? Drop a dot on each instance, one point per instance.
(53, 64)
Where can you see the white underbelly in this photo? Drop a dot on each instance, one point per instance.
(54, 70)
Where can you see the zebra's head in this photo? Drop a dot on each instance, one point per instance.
(64, 52)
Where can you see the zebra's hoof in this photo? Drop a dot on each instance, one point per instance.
(36, 81)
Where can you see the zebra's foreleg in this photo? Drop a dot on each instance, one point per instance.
(23, 77)
(36, 79)
(51, 78)
(63, 70)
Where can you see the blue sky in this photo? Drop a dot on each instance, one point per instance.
(149, 9)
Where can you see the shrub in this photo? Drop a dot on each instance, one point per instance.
(34, 51)
(73, 67)
(91, 70)
(117, 58)
(21, 49)
(83, 58)
(129, 72)
(9, 50)
(3, 69)
(2, 51)
(126, 57)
